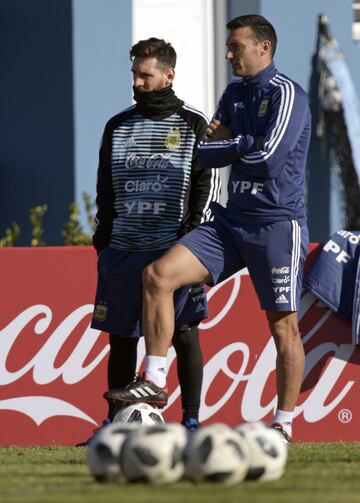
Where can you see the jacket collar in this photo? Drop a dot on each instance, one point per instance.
(262, 78)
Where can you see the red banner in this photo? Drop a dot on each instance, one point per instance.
(53, 365)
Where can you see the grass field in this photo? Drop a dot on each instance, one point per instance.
(317, 473)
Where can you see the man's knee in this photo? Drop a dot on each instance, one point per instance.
(186, 336)
(151, 278)
(156, 278)
(284, 328)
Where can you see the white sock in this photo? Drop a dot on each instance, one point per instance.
(284, 417)
(155, 370)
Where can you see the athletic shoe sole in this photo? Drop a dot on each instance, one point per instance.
(286, 437)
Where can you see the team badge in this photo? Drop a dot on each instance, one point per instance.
(100, 312)
(173, 138)
(263, 107)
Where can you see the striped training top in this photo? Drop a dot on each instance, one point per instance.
(151, 188)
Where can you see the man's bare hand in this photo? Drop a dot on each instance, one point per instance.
(216, 132)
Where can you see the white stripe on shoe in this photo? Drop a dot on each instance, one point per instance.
(135, 393)
(142, 391)
(149, 390)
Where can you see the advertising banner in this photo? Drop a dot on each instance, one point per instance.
(53, 365)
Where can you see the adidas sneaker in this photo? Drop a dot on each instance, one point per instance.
(140, 390)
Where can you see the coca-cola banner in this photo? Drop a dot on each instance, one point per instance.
(53, 365)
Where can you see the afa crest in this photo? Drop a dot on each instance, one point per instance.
(173, 138)
(100, 312)
(263, 107)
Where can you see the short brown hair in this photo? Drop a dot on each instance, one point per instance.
(155, 48)
(261, 28)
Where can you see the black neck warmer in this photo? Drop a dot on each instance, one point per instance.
(157, 105)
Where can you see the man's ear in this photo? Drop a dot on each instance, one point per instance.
(265, 47)
(170, 75)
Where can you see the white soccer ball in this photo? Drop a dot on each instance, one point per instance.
(103, 454)
(140, 413)
(267, 450)
(216, 453)
(180, 432)
(154, 454)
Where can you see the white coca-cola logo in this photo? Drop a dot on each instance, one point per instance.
(42, 364)
(155, 161)
(314, 408)
(251, 408)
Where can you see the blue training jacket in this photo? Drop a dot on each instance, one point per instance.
(334, 277)
(265, 185)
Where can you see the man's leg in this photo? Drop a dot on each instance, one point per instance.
(190, 372)
(176, 268)
(121, 365)
(290, 364)
(120, 371)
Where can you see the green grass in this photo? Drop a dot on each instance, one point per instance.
(316, 473)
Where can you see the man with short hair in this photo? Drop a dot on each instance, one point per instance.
(151, 191)
(262, 128)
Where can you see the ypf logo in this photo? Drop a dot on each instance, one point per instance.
(341, 255)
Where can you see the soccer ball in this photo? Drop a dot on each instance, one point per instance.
(104, 451)
(142, 413)
(216, 453)
(267, 449)
(181, 434)
(154, 454)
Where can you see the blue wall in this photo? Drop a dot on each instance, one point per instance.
(64, 71)
(36, 119)
(102, 37)
(296, 24)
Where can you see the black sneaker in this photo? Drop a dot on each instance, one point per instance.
(139, 391)
(280, 429)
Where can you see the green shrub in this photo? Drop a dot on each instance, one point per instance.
(36, 220)
(73, 232)
(11, 235)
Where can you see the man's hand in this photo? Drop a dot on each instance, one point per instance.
(259, 142)
(216, 132)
